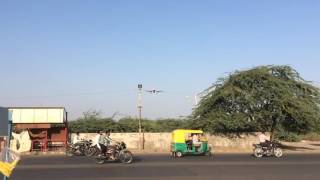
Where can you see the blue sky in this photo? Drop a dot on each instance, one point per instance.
(92, 54)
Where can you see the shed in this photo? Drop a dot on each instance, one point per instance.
(47, 126)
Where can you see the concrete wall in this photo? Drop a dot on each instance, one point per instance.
(160, 142)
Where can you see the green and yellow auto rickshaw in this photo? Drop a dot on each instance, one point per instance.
(192, 142)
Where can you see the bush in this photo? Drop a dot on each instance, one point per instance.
(287, 136)
(93, 123)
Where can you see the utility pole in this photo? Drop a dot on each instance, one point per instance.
(140, 105)
(196, 100)
(140, 114)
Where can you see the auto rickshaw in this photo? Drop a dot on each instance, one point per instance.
(192, 142)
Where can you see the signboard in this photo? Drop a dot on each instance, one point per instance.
(3, 121)
(38, 115)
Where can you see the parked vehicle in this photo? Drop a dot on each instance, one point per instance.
(91, 150)
(116, 153)
(272, 148)
(78, 149)
(191, 142)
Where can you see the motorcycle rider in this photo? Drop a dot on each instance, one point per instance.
(102, 143)
(76, 139)
(264, 140)
(96, 140)
(108, 139)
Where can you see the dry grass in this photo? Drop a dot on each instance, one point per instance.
(311, 137)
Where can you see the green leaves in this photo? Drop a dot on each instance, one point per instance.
(263, 98)
(93, 122)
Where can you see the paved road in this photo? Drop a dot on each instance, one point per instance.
(221, 167)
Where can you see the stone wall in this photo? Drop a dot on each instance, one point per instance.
(160, 142)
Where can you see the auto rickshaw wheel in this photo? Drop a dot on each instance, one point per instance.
(178, 154)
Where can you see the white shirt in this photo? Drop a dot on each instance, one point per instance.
(195, 139)
(76, 139)
(96, 140)
(263, 138)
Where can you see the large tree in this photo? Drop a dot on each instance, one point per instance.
(265, 98)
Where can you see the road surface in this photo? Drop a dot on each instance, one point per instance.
(219, 166)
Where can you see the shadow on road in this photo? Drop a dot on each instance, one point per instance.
(137, 159)
(296, 148)
(315, 144)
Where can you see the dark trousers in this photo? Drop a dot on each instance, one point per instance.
(189, 144)
(103, 149)
(266, 144)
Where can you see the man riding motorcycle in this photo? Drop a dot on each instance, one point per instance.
(264, 140)
(77, 141)
(267, 147)
(104, 142)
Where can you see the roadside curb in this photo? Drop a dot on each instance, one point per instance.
(43, 153)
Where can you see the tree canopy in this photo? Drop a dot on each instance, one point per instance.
(264, 98)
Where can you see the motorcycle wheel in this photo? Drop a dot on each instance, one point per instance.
(258, 152)
(100, 160)
(277, 152)
(69, 152)
(82, 151)
(126, 157)
(89, 151)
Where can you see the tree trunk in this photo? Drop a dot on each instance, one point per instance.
(273, 128)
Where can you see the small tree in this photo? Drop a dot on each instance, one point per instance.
(265, 98)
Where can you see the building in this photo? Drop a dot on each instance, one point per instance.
(39, 128)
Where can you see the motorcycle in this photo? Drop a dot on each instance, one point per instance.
(91, 150)
(78, 149)
(116, 153)
(272, 148)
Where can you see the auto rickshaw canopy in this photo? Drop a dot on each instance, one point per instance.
(179, 135)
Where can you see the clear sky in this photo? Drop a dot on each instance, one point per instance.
(92, 54)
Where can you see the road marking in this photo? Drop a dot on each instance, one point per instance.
(155, 164)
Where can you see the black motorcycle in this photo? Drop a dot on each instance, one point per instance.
(91, 150)
(272, 148)
(116, 153)
(78, 149)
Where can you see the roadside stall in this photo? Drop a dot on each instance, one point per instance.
(39, 128)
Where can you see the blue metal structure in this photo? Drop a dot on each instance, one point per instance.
(9, 135)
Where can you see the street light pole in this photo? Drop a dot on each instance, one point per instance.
(141, 138)
(196, 100)
(140, 105)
